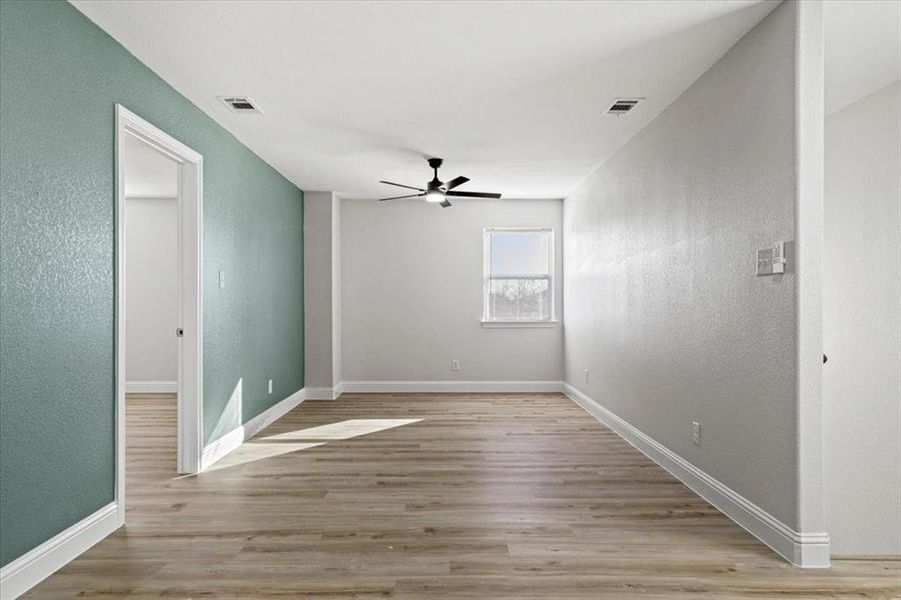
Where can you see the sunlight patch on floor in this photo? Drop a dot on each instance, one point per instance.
(343, 430)
(251, 452)
(271, 446)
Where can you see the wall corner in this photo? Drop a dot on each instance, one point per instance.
(809, 173)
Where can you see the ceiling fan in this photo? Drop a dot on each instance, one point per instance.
(438, 191)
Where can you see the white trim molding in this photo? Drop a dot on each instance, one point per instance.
(221, 447)
(450, 387)
(325, 393)
(520, 324)
(128, 125)
(34, 566)
(808, 550)
(225, 444)
(273, 413)
(151, 387)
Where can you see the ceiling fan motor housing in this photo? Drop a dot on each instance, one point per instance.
(435, 183)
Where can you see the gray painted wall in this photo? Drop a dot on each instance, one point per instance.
(862, 325)
(151, 289)
(662, 302)
(322, 295)
(337, 317)
(412, 293)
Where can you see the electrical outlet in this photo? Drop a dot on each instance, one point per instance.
(587, 374)
(455, 365)
(270, 386)
(696, 433)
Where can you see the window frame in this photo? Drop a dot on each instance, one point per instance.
(551, 321)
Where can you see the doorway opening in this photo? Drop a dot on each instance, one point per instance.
(159, 200)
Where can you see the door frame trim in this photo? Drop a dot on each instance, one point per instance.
(190, 286)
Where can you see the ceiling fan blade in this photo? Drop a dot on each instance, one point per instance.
(455, 182)
(399, 197)
(473, 194)
(409, 187)
(444, 203)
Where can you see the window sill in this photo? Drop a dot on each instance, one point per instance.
(519, 324)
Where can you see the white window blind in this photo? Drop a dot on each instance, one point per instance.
(519, 266)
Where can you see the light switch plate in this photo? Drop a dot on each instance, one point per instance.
(765, 262)
(221, 280)
(771, 261)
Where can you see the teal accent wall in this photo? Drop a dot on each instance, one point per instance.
(60, 77)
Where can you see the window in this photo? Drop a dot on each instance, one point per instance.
(519, 276)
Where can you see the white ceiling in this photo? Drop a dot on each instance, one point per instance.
(148, 173)
(510, 94)
(863, 49)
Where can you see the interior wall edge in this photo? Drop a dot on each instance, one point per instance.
(809, 99)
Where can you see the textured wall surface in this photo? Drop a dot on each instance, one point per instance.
(60, 77)
(337, 318)
(662, 302)
(862, 325)
(320, 354)
(412, 293)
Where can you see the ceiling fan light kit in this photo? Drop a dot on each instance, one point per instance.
(434, 196)
(437, 191)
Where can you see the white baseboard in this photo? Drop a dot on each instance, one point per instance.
(455, 387)
(809, 550)
(34, 566)
(221, 446)
(273, 413)
(151, 387)
(324, 393)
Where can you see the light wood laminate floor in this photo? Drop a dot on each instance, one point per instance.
(430, 496)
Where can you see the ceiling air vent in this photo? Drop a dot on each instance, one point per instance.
(621, 106)
(240, 104)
